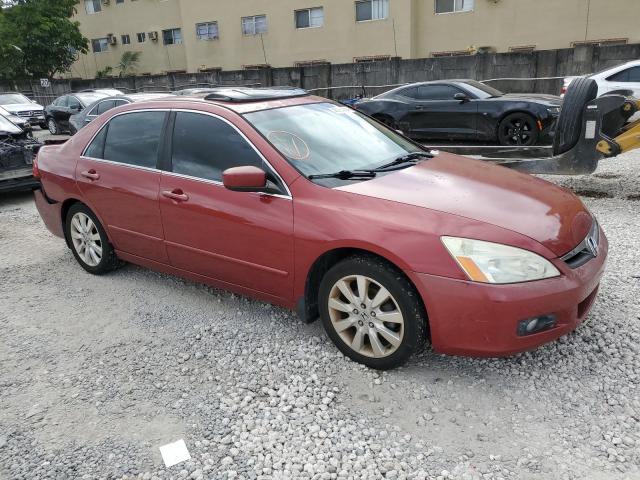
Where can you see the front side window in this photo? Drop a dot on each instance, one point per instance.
(204, 146)
(371, 10)
(453, 6)
(324, 138)
(207, 31)
(254, 25)
(100, 45)
(309, 17)
(92, 6)
(131, 139)
(173, 36)
(437, 92)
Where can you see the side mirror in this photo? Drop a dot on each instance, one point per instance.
(461, 97)
(245, 179)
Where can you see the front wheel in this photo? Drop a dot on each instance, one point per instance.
(518, 129)
(53, 126)
(371, 312)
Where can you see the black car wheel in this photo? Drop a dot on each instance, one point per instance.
(43, 125)
(581, 91)
(53, 126)
(518, 129)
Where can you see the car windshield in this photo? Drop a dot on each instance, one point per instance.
(324, 138)
(13, 98)
(481, 90)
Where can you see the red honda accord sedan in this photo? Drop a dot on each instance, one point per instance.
(304, 203)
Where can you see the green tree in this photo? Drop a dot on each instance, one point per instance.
(128, 63)
(38, 39)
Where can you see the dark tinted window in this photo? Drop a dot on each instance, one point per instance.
(96, 148)
(74, 102)
(117, 103)
(411, 92)
(628, 75)
(363, 11)
(437, 92)
(134, 138)
(205, 146)
(104, 106)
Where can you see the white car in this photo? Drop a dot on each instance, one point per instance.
(17, 104)
(622, 77)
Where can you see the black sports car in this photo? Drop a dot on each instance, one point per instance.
(465, 110)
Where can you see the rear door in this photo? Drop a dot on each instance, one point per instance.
(436, 114)
(239, 238)
(119, 180)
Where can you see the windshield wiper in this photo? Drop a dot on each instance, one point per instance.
(408, 158)
(345, 174)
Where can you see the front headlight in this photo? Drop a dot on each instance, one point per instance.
(554, 110)
(488, 262)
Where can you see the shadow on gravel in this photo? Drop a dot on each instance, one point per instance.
(593, 194)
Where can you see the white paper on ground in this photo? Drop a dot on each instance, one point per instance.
(174, 453)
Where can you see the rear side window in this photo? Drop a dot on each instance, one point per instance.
(132, 139)
(104, 106)
(204, 147)
(628, 75)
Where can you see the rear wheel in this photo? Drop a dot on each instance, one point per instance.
(53, 126)
(372, 312)
(518, 129)
(89, 242)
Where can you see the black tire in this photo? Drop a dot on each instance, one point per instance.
(402, 291)
(53, 127)
(43, 126)
(108, 261)
(518, 129)
(569, 127)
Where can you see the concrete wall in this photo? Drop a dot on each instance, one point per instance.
(329, 80)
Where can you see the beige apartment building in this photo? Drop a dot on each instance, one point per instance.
(200, 35)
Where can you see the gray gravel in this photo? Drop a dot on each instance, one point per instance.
(98, 372)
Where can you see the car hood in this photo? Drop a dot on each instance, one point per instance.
(495, 195)
(22, 107)
(532, 97)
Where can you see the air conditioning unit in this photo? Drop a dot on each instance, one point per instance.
(112, 39)
(153, 36)
(105, 2)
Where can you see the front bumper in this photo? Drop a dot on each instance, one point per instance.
(17, 179)
(481, 320)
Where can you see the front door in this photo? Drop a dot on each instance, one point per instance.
(436, 114)
(239, 238)
(119, 181)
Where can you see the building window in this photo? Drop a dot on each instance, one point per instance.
(309, 17)
(453, 6)
(254, 25)
(119, 1)
(100, 45)
(207, 31)
(142, 37)
(173, 36)
(92, 6)
(371, 10)
(126, 39)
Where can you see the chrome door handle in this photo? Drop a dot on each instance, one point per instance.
(91, 174)
(176, 194)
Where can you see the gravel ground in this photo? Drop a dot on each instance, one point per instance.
(98, 372)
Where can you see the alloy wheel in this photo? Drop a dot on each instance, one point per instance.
(86, 239)
(53, 126)
(366, 316)
(518, 131)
